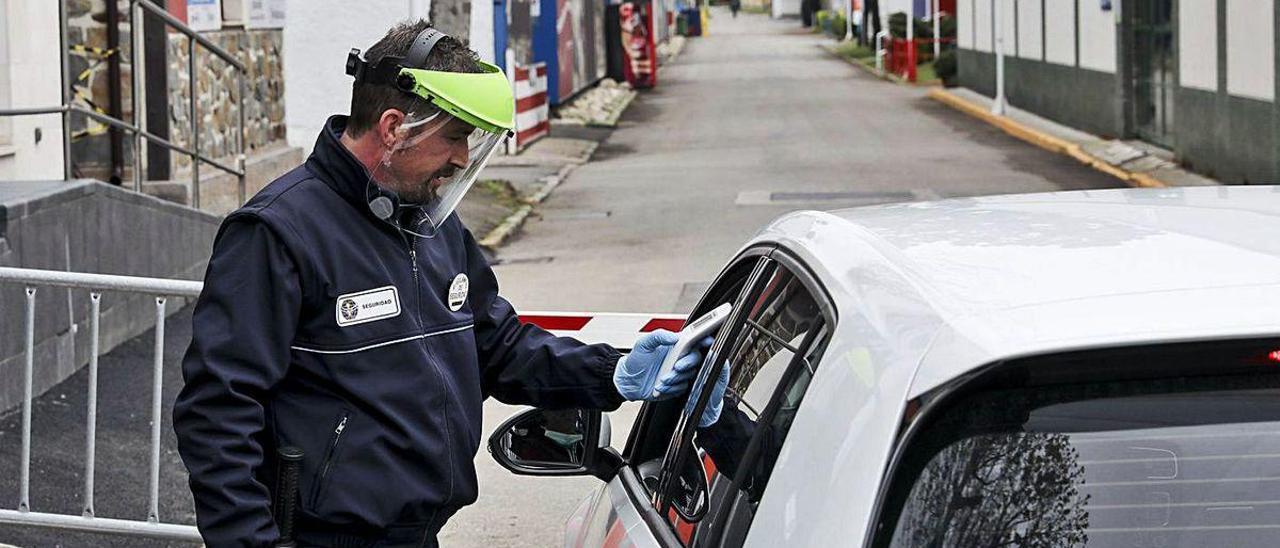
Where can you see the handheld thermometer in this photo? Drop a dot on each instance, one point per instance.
(690, 336)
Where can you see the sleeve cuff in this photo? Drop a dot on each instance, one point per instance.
(609, 398)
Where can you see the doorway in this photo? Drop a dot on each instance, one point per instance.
(1153, 59)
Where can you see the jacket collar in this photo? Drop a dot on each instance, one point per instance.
(332, 163)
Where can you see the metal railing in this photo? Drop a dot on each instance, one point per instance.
(138, 9)
(880, 51)
(161, 290)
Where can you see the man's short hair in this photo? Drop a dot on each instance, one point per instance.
(369, 100)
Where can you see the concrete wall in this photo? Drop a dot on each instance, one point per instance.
(983, 25)
(1198, 45)
(87, 226)
(32, 80)
(1226, 123)
(1060, 33)
(316, 40)
(1251, 52)
(1030, 29)
(320, 32)
(964, 25)
(1097, 36)
(1041, 73)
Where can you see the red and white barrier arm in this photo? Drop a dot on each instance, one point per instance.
(617, 330)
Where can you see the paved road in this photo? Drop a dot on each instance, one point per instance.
(753, 109)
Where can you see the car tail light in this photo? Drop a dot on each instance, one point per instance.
(1274, 356)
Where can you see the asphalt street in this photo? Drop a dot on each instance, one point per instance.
(748, 123)
(753, 111)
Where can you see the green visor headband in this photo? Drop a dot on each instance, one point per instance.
(482, 99)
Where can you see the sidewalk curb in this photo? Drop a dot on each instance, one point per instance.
(514, 221)
(612, 119)
(886, 76)
(1044, 140)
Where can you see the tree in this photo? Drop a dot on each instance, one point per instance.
(1017, 490)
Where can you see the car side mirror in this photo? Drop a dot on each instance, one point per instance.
(569, 442)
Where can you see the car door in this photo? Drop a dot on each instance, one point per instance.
(771, 344)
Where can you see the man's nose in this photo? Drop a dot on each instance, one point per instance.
(461, 154)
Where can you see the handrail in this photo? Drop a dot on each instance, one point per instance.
(108, 282)
(159, 288)
(184, 29)
(137, 9)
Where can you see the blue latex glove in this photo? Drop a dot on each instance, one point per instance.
(635, 376)
(710, 413)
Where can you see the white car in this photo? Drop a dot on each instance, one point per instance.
(1097, 368)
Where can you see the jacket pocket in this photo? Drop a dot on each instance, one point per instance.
(330, 455)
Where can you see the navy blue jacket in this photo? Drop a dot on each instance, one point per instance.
(322, 327)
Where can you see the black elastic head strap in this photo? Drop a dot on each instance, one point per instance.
(421, 48)
(387, 69)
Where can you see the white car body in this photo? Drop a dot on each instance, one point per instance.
(927, 292)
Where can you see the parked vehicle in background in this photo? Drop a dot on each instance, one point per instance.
(1097, 368)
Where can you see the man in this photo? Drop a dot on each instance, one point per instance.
(348, 313)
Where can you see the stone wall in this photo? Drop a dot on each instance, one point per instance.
(217, 93)
(87, 36)
(216, 89)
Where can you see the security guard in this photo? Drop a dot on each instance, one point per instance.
(348, 313)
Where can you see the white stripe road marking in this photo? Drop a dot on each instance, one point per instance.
(382, 344)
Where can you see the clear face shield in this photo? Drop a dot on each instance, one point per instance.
(424, 175)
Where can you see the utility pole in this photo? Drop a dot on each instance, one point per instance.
(911, 42)
(998, 106)
(937, 38)
(848, 20)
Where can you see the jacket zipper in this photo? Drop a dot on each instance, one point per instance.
(411, 241)
(417, 292)
(328, 458)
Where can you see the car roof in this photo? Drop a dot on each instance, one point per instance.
(969, 281)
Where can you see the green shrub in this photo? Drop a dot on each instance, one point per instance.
(898, 26)
(838, 26)
(947, 26)
(946, 67)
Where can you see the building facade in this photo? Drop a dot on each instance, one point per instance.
(1197, 77)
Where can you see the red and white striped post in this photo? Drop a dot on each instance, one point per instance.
(532, 110)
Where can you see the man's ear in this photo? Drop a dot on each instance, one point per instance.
(389, 125)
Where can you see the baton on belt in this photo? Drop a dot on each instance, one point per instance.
(286, 503)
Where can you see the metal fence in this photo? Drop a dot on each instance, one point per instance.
(161, 290)
(619, 330)
(138, 9)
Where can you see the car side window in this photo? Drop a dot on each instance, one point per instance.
(654, 430)
(766, 384)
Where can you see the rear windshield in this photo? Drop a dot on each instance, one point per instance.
(1140, 463)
